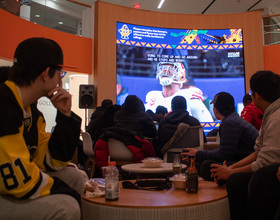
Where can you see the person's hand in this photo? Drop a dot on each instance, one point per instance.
(220, 172)
(191, 151)
(61, 99)
(278, 174)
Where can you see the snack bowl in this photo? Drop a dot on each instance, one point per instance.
(152, 162)
(179, 181)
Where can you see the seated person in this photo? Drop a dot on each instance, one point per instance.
(99, 111)
(132, 116)
(161, 111)
(103, 120)
(168, 125)
(247, 100)
(237, 137)
(152, 114)
(265, 87)
(35, 182)
(251, 113)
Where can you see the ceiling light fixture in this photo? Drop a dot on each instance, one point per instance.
(60, 22)
(37, 16)
(160, 4)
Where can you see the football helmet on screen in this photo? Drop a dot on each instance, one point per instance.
(168, 72)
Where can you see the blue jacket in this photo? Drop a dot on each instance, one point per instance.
(237, 140)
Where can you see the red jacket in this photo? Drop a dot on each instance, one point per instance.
(253, 115)
(140, 148)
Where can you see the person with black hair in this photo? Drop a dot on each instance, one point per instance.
(237, 137)
(160, 113)
(99, 110)
(35, 182)
(240, 176)
(104, 120)
(247, 99)
(152, 115)
(251, 113)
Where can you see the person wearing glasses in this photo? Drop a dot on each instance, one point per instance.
(34, 180)
(258, 171)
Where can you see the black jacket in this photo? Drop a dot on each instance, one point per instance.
(133, 116)
(104, 119)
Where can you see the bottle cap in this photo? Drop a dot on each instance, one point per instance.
(112, 163)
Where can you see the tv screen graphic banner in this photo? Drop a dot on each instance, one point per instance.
(157, 64)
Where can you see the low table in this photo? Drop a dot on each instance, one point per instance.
(140, 168)
(209, 203)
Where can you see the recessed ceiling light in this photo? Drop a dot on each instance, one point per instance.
(37, 16)
(160, 4)
(60, 22)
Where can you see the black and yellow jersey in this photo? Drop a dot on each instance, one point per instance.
(26, 150)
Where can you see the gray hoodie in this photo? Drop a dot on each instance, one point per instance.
(268, 143)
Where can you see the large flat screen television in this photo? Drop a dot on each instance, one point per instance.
(157, 64)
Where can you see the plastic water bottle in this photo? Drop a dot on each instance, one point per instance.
(111, 182)
(176, 166)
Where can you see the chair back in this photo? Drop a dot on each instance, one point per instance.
(192, 138)
(87, 144)
(118, 150)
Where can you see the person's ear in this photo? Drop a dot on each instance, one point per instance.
(257, 96)
(45, 74)
(216, 113)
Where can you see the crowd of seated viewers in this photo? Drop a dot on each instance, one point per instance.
(247, 160)
(244, 158)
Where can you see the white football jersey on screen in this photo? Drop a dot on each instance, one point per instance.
(193, 95)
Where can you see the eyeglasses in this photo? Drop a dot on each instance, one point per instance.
(59, 69)
(62, 73)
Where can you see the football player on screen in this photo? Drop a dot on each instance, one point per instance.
(171, 76)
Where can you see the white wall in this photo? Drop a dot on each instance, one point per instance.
(75, 80)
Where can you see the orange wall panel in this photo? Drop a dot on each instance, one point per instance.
(77, 50)
(271, 58)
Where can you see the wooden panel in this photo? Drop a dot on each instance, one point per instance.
(105, 37)
(271, 58)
